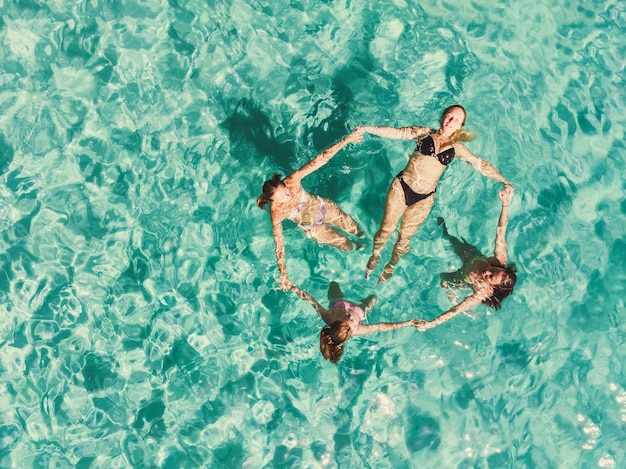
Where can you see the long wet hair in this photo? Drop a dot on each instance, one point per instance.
(460, 135)
(332, 338)
(269, 187)
(503, 290)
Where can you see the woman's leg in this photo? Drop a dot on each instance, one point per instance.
(461, 247)
(394, 209)
(368, 303)
(324, 234)
(340, 219)
(334, 293)
(414, 216)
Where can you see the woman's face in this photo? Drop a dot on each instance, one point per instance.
(494, 275)
(452, 120)
(281, 194)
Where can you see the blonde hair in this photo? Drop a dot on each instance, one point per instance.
(463, 135)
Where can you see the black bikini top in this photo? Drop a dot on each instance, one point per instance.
(427, 147)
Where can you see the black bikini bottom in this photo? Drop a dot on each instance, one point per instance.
(410, 196)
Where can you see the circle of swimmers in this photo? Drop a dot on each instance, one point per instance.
(410, 199)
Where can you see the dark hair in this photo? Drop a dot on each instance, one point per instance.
(449, 108)
(269, 187)
(332, 338)
(500, 292)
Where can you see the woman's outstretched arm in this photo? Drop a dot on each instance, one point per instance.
(324, 157)
(464, 305)
(306, 296)
(363, 329)
(396, 133)
(500, 245)
(279, 241)
(482, 166)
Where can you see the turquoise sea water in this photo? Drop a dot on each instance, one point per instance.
(142, 323)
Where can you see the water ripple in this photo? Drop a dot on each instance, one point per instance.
(143, 324)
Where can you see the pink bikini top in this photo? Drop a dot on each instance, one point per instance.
(350, 307)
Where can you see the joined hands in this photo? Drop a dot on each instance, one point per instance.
(420, 324)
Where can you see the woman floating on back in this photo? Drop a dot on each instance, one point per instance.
(491, 278)
(314, 215)
(344, 319)
(412, 192)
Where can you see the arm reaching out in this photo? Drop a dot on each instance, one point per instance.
(306, 296)
(464, 305)
(363, 329)
(401, 133)
(328, 316)
(500, 245)
(279, 241)
(483, 167)
(325, 156)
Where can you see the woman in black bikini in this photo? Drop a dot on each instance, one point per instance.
(344, 319)
(412, 192)
(316, 216)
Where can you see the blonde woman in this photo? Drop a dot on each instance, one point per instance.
(316, 216)
(412, 192)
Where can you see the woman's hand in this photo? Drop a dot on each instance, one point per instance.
(506, 194)
(420, 324)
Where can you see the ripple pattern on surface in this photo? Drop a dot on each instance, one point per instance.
(142, 322)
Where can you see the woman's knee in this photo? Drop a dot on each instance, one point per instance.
(385, 230)
(331, 238)
(403, 244)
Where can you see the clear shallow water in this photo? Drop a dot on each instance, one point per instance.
(143, 326)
